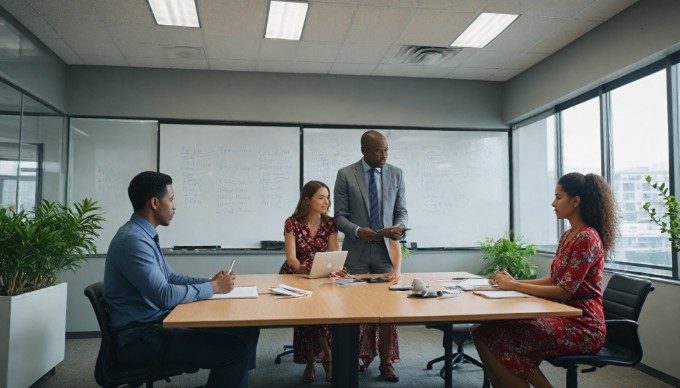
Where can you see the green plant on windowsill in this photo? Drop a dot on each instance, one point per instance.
(36, 245)
(405, 252)
(513, 255)
(669, 220)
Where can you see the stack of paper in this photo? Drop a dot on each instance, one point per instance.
(294, 292)
(476, 284)
(237, 293)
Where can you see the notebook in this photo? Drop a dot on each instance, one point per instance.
(501, 294)
(476, 284)
(325, 263)
(238, 293)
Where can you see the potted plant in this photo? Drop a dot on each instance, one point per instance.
(35, 246)
(512, 255)
(669, 220)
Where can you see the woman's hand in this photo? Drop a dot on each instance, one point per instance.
(340, 274)
(503, 280)
(394, 277)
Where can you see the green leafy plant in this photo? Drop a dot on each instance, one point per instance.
(513, 255)
(405, 252)
(36, 245)
(669, 220)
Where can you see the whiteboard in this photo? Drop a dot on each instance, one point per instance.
(104, 157)
(234, 185)
(457, 182)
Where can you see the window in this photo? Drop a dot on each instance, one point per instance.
(535, 178)
(639, 148)
(581, 138)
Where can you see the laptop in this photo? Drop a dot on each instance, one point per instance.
(325, 263)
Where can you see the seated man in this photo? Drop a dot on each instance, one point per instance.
(140, 286)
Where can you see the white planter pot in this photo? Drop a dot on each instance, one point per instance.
(32, 335)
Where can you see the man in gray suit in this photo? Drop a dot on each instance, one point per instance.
(370, 195)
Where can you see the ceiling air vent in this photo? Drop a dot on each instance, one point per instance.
(423, 55)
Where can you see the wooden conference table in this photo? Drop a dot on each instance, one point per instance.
(345, 307)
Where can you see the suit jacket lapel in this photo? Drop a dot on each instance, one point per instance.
(361, 183)
(385, 181)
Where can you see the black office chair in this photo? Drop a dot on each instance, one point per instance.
(622, 299)
(461, 336)
(108, 372)
(287, 349)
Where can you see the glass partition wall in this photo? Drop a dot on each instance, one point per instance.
(32, 151)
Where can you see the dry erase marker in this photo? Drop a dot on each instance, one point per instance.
(231, 266)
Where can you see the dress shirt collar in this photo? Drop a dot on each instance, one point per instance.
(145, 225)
(366, 167)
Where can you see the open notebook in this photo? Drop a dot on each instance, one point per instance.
(238, 293)
(325, 263)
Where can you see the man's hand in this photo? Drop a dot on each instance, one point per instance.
(222, 283)
(393, 277)
(366, 233)
(395, 234)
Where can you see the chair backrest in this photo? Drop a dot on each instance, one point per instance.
(107, 350)
(624, 296)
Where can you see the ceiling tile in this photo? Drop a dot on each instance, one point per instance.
(39, 27)
(506, 6)
(236, 18)
(279, 50)
(503, 75)
(178, 63)
(458, 5)
(328, 22)
(63, 50)
(76, 9)
(392, 70)
(232, 65)
(293, 67)
(525, 61)
(525, 32)
(18, 8)
(161, 63)
(601, 10)
(93, 47)
(471, 73)
(430, 27)
(555, 8)
(378, 25)
(318, 51)
(362, 53)
(97, 60)
(70, 30)
(563, 36)
(391, 3)
(142, 50)
(226, 48)
(124, 11)
(180, 36)
(489, 59)
(140, 33)
(352, 68)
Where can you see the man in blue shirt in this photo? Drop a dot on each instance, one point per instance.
(140, 286)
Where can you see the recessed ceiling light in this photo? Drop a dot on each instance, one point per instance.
(285, 20)
(175, 12)
(484, 29)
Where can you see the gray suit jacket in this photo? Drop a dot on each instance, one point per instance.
(350, 199)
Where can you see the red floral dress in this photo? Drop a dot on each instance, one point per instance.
(578, 267)
(306, 245)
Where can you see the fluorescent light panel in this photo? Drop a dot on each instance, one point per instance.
(285, 20)
(175, 12)
(484, 29)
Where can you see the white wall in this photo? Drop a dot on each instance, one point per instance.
(639, 35)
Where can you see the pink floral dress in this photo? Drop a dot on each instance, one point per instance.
(306, 245)
(578, 267)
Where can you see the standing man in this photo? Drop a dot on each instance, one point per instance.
(140, 286)
(370, 195)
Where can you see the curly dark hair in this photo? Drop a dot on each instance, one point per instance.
(307, 192)
(146, 185)
(598, 207)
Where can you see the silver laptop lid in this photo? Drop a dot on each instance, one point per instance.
(325, 263)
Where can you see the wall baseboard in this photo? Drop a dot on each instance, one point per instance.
(657, 374)
(83, 334)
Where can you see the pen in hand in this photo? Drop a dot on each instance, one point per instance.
(231, 267)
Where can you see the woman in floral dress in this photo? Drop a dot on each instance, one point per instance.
(512, 350)
(309, 230)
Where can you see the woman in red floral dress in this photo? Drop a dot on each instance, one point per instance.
(512, 350)
(309, 230)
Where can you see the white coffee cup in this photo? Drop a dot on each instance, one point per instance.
(418, 285)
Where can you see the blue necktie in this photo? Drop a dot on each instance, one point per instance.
(374, 204)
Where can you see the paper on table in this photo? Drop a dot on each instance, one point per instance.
(476, 284)
(295, 292)
(238, 293)
(501, 294)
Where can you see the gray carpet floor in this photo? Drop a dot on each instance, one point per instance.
(418, 346)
